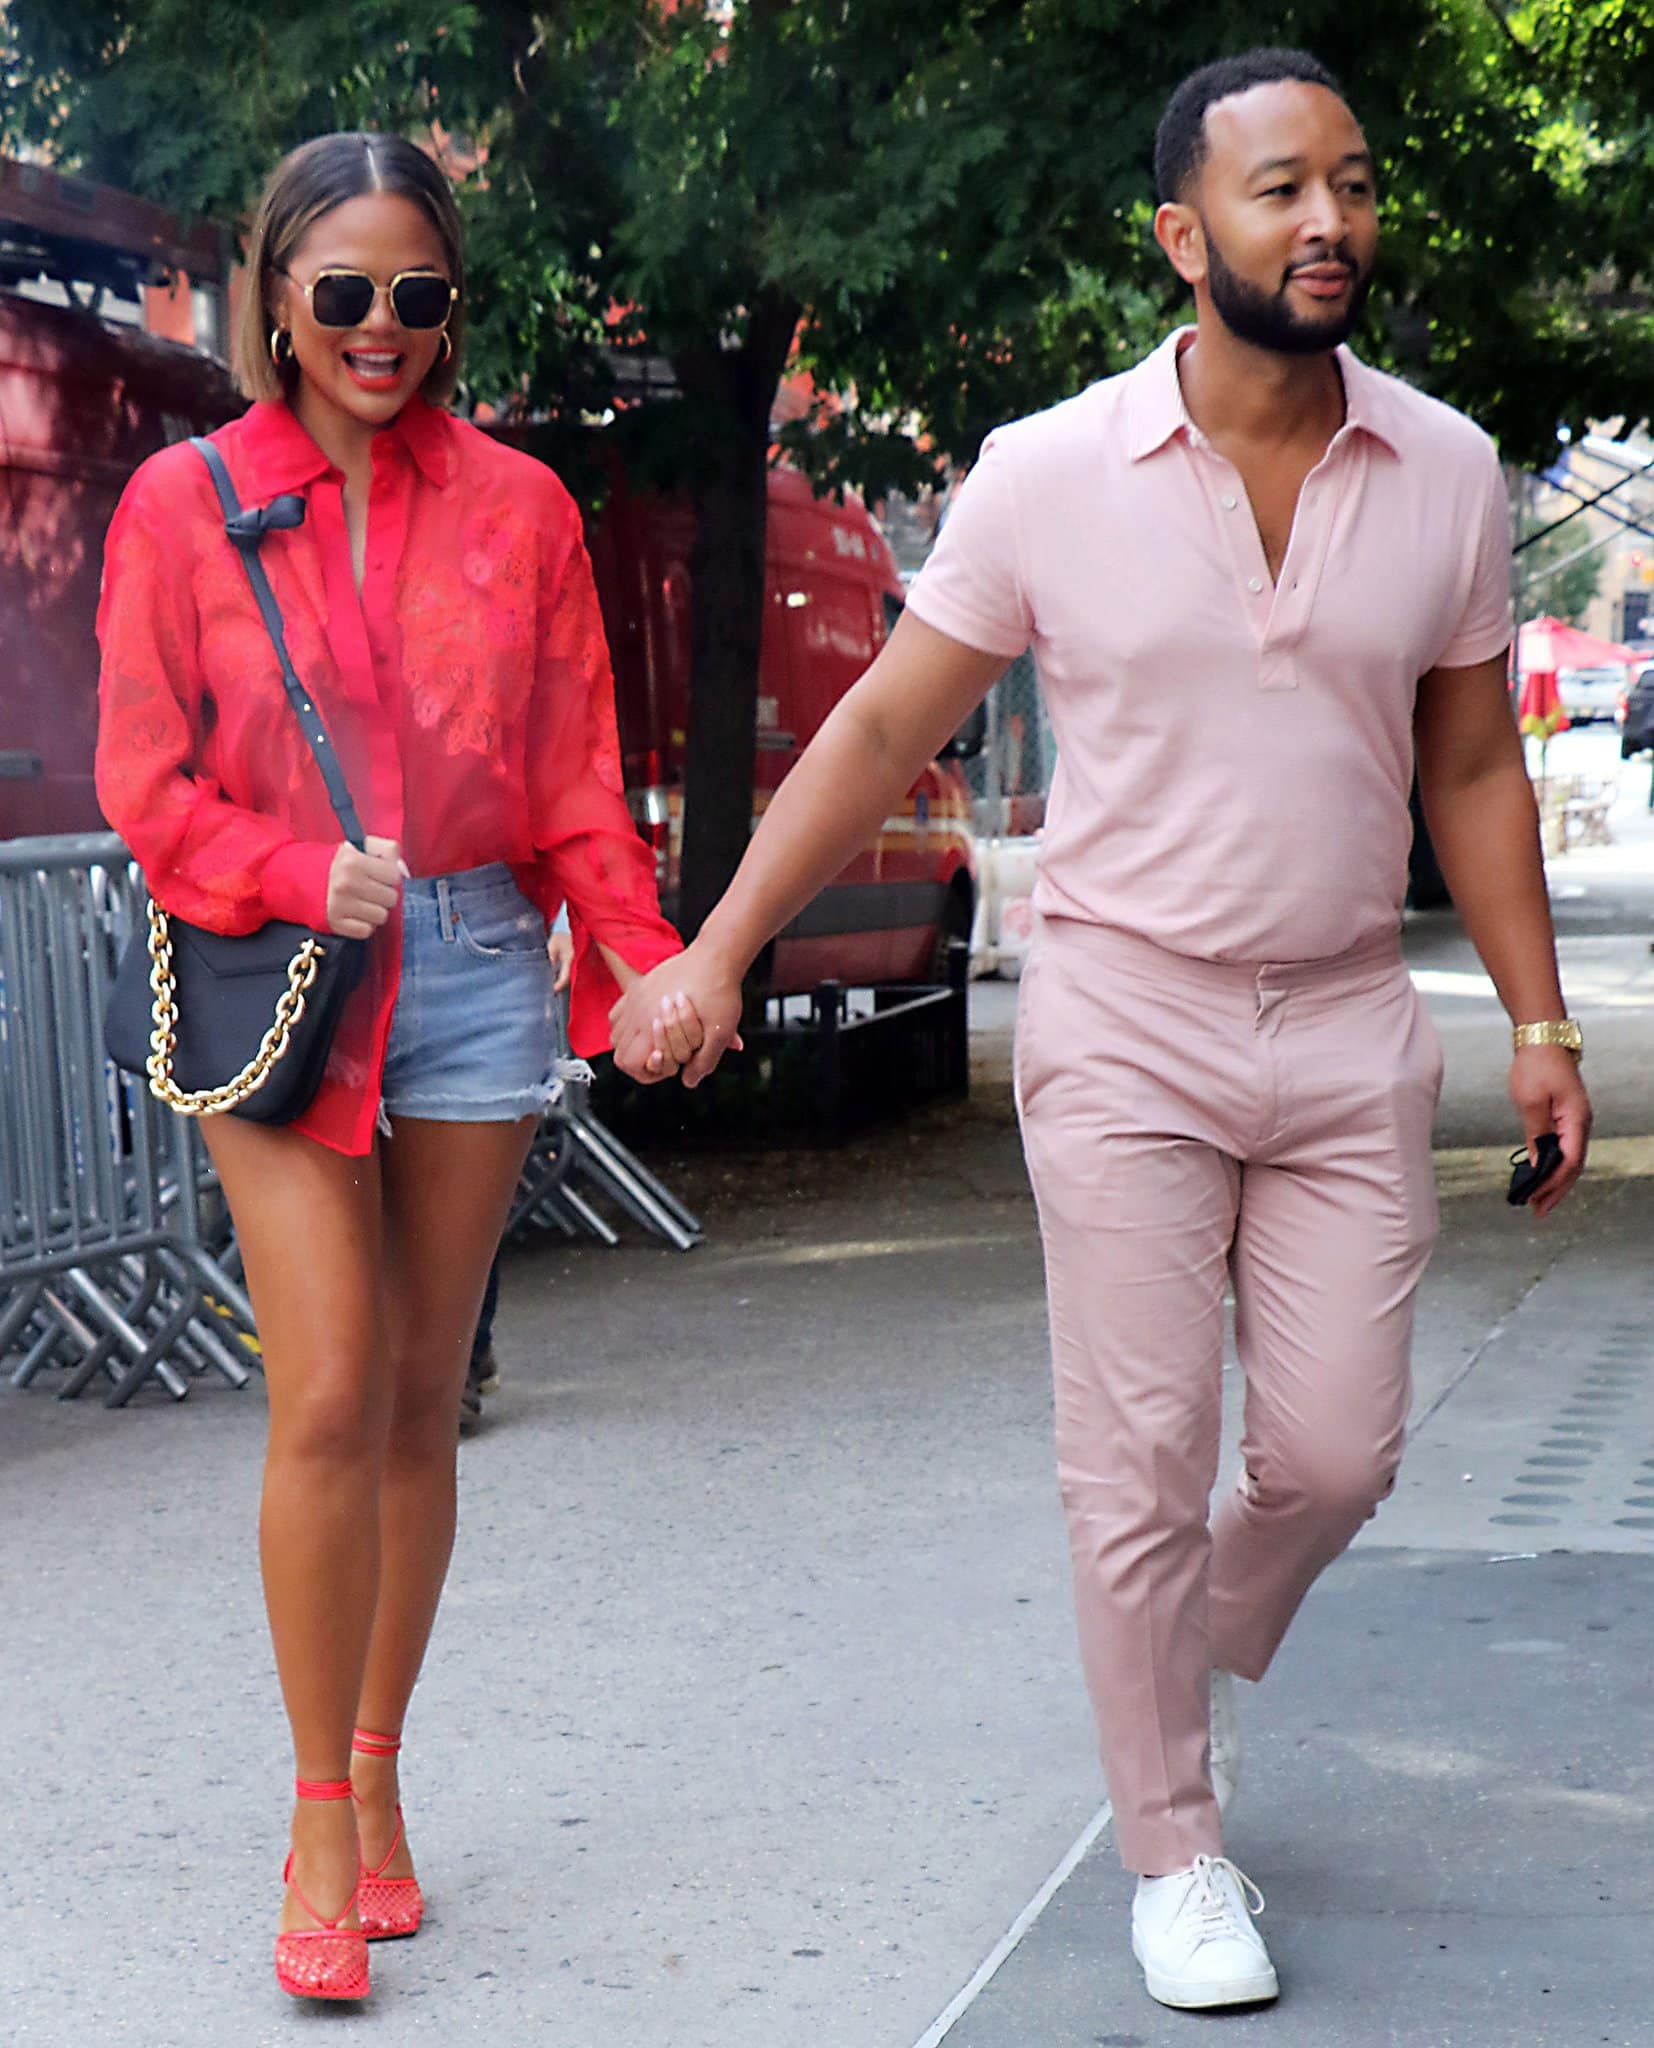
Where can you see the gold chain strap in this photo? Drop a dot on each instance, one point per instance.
(163, 1039)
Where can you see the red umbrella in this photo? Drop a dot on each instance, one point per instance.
(1551, 643)
(1539, 711)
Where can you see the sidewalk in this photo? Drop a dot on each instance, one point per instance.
(1450, 1779)
(754, 1718)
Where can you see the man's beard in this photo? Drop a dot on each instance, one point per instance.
(1267, 321)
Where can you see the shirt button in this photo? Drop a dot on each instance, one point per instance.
(1230, 501)
(1256, 585)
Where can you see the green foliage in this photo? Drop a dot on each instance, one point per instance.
(954, 193)
(191, 101)
(1559, 576)
(943, 204)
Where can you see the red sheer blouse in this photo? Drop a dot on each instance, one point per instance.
(467, 690)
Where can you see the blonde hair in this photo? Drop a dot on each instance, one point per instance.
(309, 182)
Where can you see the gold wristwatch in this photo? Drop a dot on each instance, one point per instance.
(1563, 1031)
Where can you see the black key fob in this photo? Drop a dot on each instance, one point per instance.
(1528, 1176)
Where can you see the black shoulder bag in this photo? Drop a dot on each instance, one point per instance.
(240, 1024)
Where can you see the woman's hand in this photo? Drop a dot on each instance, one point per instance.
(364, 885)
(683, 1016)
(560, 952)
(665, 1043)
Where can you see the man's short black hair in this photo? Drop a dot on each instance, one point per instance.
(1180, 140)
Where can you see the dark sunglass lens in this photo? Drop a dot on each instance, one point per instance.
(422, 301)
(341, 298)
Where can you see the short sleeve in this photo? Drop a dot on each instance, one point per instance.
(972, 586)
(1484, 625)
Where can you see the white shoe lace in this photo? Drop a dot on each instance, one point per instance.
(1211, 1907)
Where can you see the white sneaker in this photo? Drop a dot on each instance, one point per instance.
(1225, 1742)
(1193, 1934)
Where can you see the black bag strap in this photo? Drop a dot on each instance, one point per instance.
(247, 529)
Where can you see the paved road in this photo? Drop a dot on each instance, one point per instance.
(753, 1718)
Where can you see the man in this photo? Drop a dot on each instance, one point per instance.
(1255, 573)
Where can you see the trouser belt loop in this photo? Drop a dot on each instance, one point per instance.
(447, 916)
(1270, 998)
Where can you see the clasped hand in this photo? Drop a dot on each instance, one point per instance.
(681, 1018)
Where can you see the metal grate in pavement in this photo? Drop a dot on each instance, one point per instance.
(1575, 1460)
(1548, 1442)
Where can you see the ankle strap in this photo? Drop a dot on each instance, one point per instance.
(366, 1743)
(322, 1788)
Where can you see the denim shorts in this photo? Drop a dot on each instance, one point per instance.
(477, 1032)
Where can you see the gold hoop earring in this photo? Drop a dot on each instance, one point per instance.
(447, 347)
(279, 356)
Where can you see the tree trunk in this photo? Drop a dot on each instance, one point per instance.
(735, 389)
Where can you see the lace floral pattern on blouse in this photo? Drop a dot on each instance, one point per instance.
(466, 687)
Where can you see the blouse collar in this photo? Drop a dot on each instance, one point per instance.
(283, 457)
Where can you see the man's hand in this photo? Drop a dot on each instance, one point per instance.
(363, 886)
(1546, 1086)
(684, 1016)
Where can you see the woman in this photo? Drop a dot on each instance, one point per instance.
(439, 606)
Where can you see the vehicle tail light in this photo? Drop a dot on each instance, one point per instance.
(652, 815)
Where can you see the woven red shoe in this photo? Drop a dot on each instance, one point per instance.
(327, 1960)
(392, 1907)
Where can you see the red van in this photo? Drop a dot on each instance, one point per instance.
(82, 403)
(84, 400)
(831, 594)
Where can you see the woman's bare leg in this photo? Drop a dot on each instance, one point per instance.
(308, 1221)
(447, 1192)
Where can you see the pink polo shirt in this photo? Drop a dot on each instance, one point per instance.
(1234, 756)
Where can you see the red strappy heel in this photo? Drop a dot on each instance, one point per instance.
(391, 1907)
(327, 1960)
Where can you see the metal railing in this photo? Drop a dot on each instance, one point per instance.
(574, 1157)
(104, 1268)
(816, 1069)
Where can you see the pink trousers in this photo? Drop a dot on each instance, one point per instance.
(1187, 1124)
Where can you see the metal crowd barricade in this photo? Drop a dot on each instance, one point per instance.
(104, 1268)
(574, 1157)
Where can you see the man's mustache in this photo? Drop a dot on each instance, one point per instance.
(1340, 256)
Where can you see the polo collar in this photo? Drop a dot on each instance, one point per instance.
(1157, 410)
(1368, 401)
(283, 457)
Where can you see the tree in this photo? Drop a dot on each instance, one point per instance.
(941, 205)
(1562, 573)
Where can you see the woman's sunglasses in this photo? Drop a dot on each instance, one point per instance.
(420, 299)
